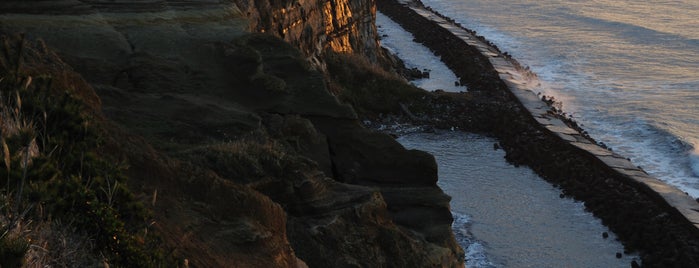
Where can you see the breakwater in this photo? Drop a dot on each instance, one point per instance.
(649, 216)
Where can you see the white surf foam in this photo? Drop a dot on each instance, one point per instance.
(598, 92)
(474, 250)
(694, 157)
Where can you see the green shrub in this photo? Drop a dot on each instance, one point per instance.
(65, 172)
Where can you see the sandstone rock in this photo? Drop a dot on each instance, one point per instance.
(405, 178)
(364, 157)
(215, 223)
(307, 93)
(45, 6)
(301, 134)
(313, 26)
(182, 78)
(423, 209)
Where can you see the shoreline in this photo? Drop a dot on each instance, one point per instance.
(630, 203)
(532, 227)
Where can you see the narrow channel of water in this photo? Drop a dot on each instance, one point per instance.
(507, 216)
(400, 42)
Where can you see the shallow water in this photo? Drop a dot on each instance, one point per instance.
(509, 217)
(400, 42)
(627, 70)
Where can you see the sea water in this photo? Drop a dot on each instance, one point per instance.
(628, 71)
(506, 216)
(400, 43)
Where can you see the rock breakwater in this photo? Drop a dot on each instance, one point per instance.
(615, 191)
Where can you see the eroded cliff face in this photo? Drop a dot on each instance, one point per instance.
(255, 162)
(316, 25)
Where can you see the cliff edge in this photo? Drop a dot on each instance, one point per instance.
(231, 139)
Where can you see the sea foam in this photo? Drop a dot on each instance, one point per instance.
(474, 250)
(630, 84)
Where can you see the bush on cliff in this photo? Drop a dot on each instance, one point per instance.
(371, 90)
(244, 161)
(53, 170)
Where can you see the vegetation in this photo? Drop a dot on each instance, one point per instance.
(245, 160)
(370, 89)
(12, 250)
(54, 171)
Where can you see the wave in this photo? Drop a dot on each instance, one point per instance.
(631, 85)
(694, 158)
(672, 141)
(637, 34)
(654, 145)
(474, 250)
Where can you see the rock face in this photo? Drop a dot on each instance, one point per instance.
(256, 163)
(316, 25)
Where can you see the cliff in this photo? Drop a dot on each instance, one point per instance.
(317, 25)
(232, 140)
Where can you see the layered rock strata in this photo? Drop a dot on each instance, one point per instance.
(316, 25)
(255, 162)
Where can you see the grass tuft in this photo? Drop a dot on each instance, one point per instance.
(244, 161)
(371, 90)
(55, 172)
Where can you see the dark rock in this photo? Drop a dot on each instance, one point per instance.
(348, 23)
(304, 138)
(364, 157)
(429, 204)
(605, 235)
(634, 264)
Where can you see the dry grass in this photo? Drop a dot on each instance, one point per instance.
(58, 244)
(370, 89)
(244, 161)
(65, 204)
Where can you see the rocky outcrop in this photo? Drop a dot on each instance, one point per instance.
(407, 179)
(255, 163)
(316, 25)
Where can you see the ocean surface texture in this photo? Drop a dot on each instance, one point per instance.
(506, 216)
(414, 55)
(627, 70)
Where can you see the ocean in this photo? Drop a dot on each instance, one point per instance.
(507, 216)
(533, 226)
(628, 71)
